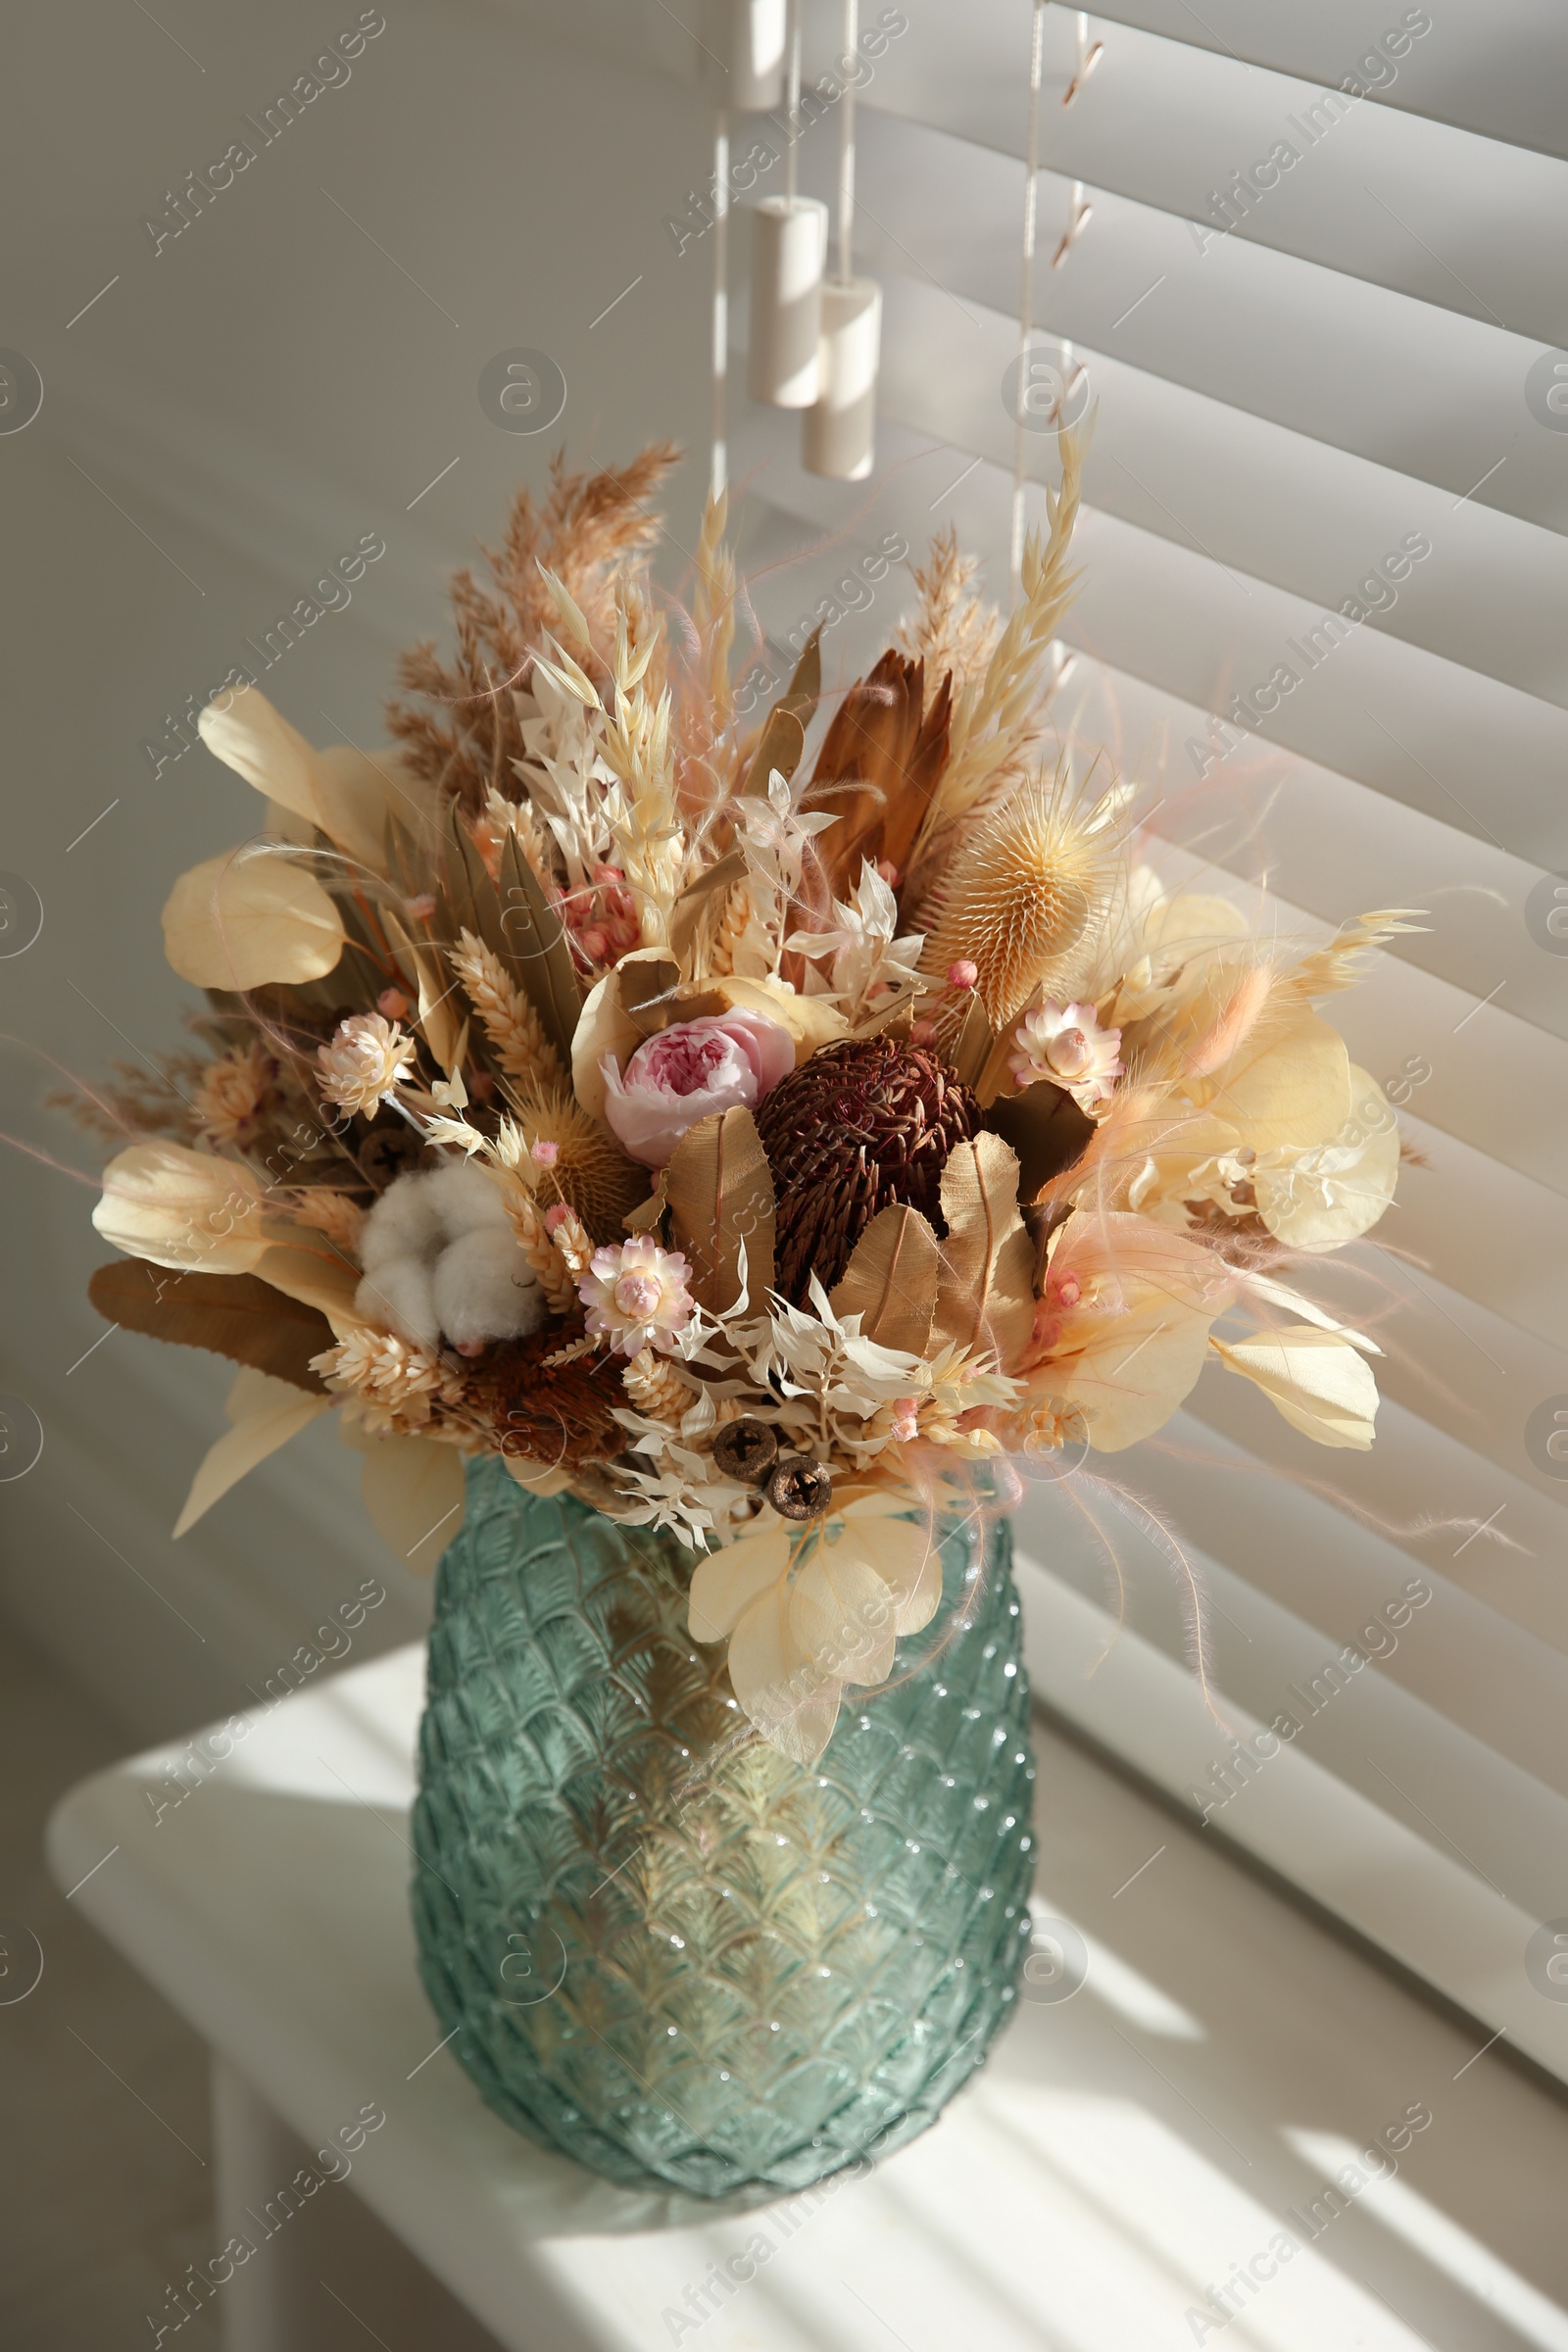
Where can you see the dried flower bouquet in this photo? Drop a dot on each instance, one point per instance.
(754, 1140)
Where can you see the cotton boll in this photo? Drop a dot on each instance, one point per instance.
(440, 1260)
(406, 1222)
(485, 1290)
(464, 1199)
(401, 1291)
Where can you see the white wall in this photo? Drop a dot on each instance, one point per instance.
(246, 402)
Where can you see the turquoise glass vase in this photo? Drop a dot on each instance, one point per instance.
(662, 1947)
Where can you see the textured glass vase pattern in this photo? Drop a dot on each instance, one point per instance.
(662, 1947)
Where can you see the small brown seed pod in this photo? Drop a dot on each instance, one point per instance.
(746, 1449)
(799, 1487)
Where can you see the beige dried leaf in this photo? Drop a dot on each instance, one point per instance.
(264, 1413)
(890, 1279)
(243, 921)
(985, 1296)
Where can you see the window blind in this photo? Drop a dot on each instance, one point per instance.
(1323, 626)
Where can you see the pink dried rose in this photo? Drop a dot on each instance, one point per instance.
(687, 1072)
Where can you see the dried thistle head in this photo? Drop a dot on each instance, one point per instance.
(1027, 893)
(589, 1170)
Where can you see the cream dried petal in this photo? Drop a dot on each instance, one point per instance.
(789, 1699)
(1294, 1089)
(728, 1581)
(907, 1557)
(344, 793)
(265, 1414)
(1128, 1376)
(247, 919)
(842, 1615)
(182, 1208)
(1328, 1196)
(1321, 1384)
(413, 1491)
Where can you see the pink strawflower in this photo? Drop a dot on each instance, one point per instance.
(963, 973)
(1065, 1044)
(636, 1295)
(393, 1003)
(544, 1154)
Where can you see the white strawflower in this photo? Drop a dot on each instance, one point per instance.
(636, 1295)
(364, 1062)
(1065, 1044)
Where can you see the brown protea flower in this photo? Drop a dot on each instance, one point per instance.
(862, 1124)
(561, 1415)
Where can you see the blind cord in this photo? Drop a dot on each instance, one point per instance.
(852, 35)
(792, 102)
(1036, 50)
(719, 480)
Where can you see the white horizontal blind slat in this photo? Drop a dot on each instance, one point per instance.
(1488, 593)
(1344, 361)
(1458, 222)
(1412, 726)
(1495, 67)
(1274, 403)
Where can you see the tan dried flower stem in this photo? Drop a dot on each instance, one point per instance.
(511, 1023)
(656, 1388)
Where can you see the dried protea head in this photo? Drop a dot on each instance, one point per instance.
(860, 1126)
(560, 1415)
(1029, 888)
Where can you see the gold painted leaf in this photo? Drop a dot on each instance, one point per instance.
(804, 688)
(890, 1279)
(721, 1196)
(697, 900)
(972, 1044)
(236, 1315)
(878, 767)
(985, 1298)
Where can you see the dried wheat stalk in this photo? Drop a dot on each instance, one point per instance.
(511, 1023)
(533, 1240)
(656, 1388)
